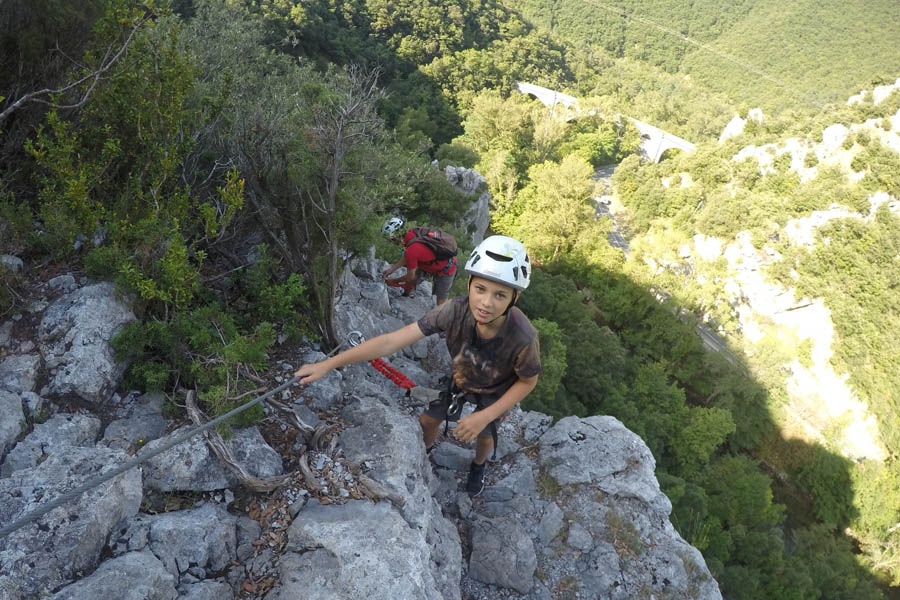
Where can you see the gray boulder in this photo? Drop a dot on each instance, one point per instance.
(451, 456)
(477, 217)
(603, 452)
(11, 263)
(502, 554)
(143, 424)
(551, 524)
(12, 420)
(64, 283)
(324, 393)
(52, 551)
(74, 334)
(203, 537)
(355, 550)
(192, 466)
(18, 373)
(54, 436)
(132, 576)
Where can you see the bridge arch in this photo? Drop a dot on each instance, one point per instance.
(655, 142)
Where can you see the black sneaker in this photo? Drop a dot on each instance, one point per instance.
(475, 482)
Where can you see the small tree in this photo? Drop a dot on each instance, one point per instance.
(346, 123)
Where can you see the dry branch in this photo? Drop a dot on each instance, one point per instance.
(108, 61)
(377, 491)
(221, 449)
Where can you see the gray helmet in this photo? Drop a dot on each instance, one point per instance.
(501, 259)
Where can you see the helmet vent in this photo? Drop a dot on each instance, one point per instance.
(524, 271)
(475, 260)
(498, 257)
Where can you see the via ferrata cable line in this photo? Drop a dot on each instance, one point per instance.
(95, 481)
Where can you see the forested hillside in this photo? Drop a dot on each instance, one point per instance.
(219, 160)
(798, 55)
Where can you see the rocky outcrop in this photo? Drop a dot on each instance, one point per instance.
(571, 506)
(192, 465)
(66, 542)
(134, 576)
(74, 337)
(735, 126)
(477, 218)
(12, 420)
(57, 433)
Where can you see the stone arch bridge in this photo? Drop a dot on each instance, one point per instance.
(654, 141)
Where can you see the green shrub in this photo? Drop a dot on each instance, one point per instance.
(204, 349)
(104, 262)
(16, 228)
(827, 478)
(456, 154)
(161, 269)
(67, 178)
(267, 300)
(810, 160)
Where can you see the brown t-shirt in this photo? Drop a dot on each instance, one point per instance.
(485, 366)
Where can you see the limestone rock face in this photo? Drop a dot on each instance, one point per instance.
(19, 372)
(142, 423)
(200, 538)
(369, 549)
(573, 505)
(51, 551)
(503, 554)
(477, 218)
(192, 466)
(366, 544)
(74, 338)
(12, 420)
(53, 436)
(133, 576)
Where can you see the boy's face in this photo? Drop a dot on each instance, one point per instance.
(489, 299)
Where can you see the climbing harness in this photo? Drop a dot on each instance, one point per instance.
(355, 338)
(458, 399)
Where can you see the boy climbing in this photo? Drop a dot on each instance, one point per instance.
(494, 348)
(426, 252)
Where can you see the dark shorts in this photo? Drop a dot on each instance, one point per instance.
(438, 409)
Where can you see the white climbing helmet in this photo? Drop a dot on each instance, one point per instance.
(392, 226)
(501, 259)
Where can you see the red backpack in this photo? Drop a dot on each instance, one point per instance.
(440, 242)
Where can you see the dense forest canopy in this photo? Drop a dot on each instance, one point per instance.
(798, 55)
(220, 159)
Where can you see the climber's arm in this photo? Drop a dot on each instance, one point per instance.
(376, 347)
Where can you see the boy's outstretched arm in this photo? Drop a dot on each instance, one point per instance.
(377, 347)
(471, 425)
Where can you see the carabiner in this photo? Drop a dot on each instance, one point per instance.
(355, 338)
